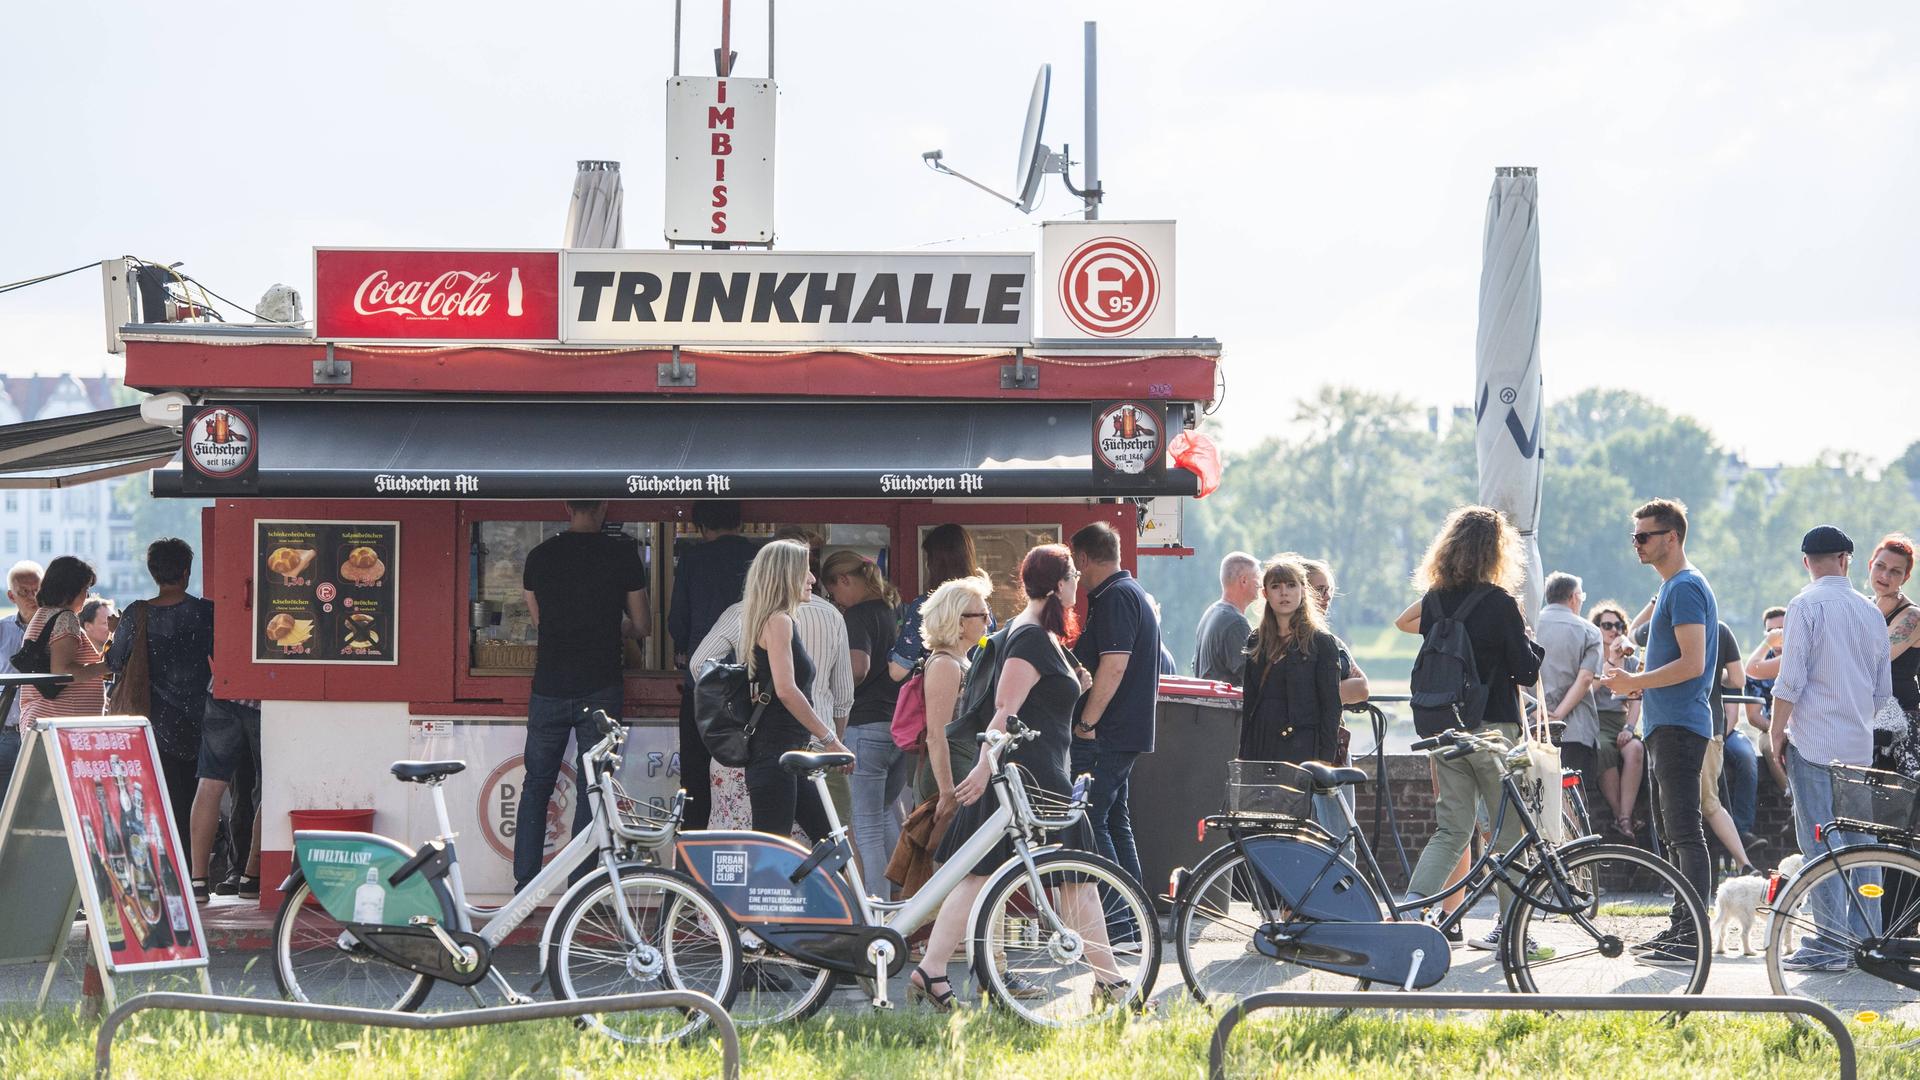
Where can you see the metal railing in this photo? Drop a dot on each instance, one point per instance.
(499, 1014)
(1442, 1000)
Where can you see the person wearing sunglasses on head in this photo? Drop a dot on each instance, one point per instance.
(1622, 757)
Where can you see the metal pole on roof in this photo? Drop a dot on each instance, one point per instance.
(1092, 96)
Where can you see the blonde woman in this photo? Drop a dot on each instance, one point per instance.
(778, 582)
(1622, 756)
(952, 621)
(866, 598)
(1475, 560)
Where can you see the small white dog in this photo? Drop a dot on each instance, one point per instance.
(1738, 904)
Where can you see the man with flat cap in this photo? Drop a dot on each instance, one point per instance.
(1834, 676)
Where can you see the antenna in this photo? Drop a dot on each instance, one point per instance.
(1036, 158)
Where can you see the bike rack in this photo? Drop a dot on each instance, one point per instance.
(1433, 999)
(499, 1014)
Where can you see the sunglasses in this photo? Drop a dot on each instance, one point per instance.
(973, 615)
(1621, 627)
(1640, 538)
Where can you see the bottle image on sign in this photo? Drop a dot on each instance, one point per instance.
(370, 900)
(170, 889)
(514, 307)
(116, 937)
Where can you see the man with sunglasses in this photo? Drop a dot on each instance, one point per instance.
(1675, 708)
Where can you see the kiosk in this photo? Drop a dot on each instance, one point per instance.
(377, 483)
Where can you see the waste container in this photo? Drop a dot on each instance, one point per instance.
(1185, 778)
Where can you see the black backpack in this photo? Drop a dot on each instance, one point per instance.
(977, 693)
(726, 709)
(35, 656)
(1446, 687)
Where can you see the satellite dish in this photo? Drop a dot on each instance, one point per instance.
(1033, 155)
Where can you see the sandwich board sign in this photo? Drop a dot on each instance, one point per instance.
(85, 825)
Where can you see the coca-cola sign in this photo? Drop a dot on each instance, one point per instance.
(452, 295)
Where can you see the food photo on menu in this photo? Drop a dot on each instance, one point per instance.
(328, 591)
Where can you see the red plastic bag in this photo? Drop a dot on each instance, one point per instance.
(1198, 455)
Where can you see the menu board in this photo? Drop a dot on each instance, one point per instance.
(326, 592)
(131, 879)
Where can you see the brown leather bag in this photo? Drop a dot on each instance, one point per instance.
(133, 687)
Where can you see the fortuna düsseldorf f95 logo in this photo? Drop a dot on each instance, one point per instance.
(220, 441)
(1109, 286)
(1128, 439)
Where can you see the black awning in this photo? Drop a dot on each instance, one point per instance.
(67, 450)
(610, 450)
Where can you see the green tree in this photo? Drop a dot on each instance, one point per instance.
(156, 518)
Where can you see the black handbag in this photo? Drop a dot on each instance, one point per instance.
(726, 709)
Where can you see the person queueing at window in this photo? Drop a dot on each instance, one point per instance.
(867, 599)
(778, 582)
(707, 578)
(587, 591)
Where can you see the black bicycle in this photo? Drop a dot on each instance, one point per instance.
(1280, 907)
(1844, 930)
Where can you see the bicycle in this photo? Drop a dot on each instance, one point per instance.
(1861, 957)
(369, 921)
(1279, 907)
(805, 922)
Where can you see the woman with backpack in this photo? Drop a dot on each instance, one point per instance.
(866, 598)
(1469, 575)
(778, 582)
(1037, 683)
(56, 628)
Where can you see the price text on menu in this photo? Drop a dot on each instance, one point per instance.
(326, 592)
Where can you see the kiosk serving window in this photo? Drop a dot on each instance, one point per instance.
(503, 634)
(999, 549)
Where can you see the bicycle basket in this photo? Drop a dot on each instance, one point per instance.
(1049, 807)
(638, 819)
(1886, 799)
(1268, 789)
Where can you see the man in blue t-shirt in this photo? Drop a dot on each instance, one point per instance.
(1115, 722)
(1675, 710)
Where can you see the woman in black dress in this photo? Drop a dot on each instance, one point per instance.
(1039, 684)
(778, 582)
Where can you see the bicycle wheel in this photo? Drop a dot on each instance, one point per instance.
(1830, 958)
(775, 988)
(1562, 937)
(1104, 963)
(319, 961)
(686, 943)
(1213, 927)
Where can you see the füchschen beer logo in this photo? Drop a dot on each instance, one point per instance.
(221, 443)
(1128, 438)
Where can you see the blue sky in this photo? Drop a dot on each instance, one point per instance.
(1727, 190)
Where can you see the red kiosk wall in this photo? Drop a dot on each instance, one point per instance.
(426, 585)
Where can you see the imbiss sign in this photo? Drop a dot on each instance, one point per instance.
(746, 298)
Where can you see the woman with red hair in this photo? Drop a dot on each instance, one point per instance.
(1896, 734)
(1038, 683)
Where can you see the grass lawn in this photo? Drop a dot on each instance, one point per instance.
(978, 1043)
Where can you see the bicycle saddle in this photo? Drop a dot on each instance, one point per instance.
(426, 772)
(800, 761)
(1329, 777)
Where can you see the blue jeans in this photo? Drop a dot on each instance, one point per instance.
(9, 754)
(1741, 769)
(549, 721)
(1813, 806)
(1110, 794)
(880, 773)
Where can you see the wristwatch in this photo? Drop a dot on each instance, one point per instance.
(1087, 728)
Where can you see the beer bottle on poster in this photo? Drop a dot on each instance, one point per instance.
(109, 833)
(103, 885)
(170, 889)
(370, 900)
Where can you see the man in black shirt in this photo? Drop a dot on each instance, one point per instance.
(581, 586)
(708, 578)
(1116, 719)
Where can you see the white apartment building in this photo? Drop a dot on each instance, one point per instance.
(84, 520)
